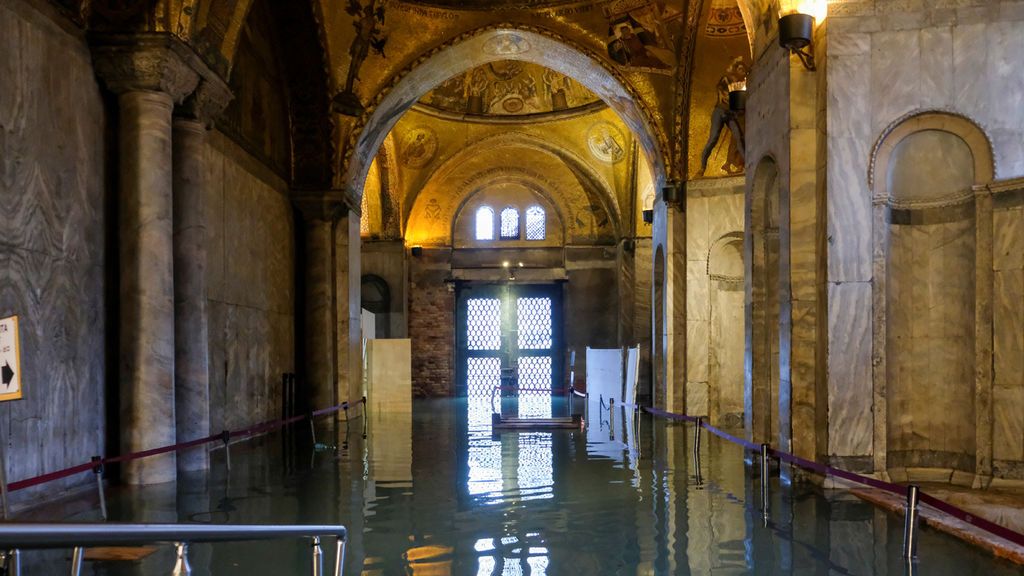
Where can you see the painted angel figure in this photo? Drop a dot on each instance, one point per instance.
(367, 20)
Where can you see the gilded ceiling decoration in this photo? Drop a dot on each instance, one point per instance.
(606, 142)
(494, 4)
(509, 88)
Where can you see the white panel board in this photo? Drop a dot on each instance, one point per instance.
(604, 374)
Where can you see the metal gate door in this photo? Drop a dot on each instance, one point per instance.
(511, 330)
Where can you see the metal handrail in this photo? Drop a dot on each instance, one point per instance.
(22, 536)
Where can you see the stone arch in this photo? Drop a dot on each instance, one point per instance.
(218, 30)
(489, 44)
(375, 297)
(725, 349)
(928, 366)
(556, 235)
(659, 340)
(595, 185)
(763, 371)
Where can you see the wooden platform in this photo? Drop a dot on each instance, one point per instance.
(559, 423)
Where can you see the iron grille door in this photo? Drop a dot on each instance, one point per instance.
(513, 330)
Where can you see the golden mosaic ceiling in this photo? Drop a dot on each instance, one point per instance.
(493, 4)
(509, 88)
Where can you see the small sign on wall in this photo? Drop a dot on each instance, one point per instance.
(10, 360)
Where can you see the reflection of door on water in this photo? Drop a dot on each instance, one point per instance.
(509, 336)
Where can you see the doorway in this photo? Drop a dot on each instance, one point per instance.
(510, 335)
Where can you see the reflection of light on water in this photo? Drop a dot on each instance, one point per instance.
(511, 559)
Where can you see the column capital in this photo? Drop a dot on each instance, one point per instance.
(328, 205)
(207, 101)
(146, 61)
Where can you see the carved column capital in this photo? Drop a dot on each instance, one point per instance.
(326, 205)
(150, 62)
(207, 102)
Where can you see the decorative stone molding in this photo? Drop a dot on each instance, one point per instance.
(151, 62)
(207, 102)
(955, 123)
(328, 205)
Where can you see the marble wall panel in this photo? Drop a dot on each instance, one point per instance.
(849, 378)
(1008, 237)
(52, 246)
(698, 336)
(1008, 423)
(252, 283)
(895, 65)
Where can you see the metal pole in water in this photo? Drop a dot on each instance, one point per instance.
(764, 480)
(339, 557)
(910, 524)
(181, 566)
(696, 451)
(318, 557)
(225, 437)
(77, 557)
(97, 470)
(15, 560)
(312, 429)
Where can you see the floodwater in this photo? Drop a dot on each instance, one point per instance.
(433, 492)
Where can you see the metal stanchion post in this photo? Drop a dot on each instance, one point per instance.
(225, 437)
(181, 565)
(696, 452)
(318, 557)
(764, 480)
(910, 524)
(364, 417)
(339, 557)
(77, 557)
(312, 429)
(97, 470)
(10, 562)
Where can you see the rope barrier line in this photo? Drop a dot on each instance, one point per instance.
(825, 470)
(245, 432)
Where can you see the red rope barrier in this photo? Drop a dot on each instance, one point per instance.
(825, 470)
(250, 431)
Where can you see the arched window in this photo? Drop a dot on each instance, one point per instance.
(510, 223)
(535, 223)
(485, 223)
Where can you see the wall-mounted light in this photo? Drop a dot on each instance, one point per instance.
(738, 96)
(417, 251)
(670, 194)
(796, 27)
(648, 216)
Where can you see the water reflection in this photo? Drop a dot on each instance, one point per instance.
(611, 500)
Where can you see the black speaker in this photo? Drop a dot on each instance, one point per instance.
(417, 251)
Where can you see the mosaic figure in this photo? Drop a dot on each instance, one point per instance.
(722, 117)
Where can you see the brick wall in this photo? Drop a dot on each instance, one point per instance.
(431, 328)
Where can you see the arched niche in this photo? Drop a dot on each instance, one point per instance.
(375, 296)
(506, 42)
(761, 388)
(725, 362)
(924, 170)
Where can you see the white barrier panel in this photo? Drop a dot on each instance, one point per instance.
(632, 374)
(604, 374)
(389, 393)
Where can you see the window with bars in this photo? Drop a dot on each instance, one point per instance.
(510, 223)
(535, 223)
(485, 223)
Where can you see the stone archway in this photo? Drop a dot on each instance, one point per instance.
(507, 42)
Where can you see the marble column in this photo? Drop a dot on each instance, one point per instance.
(319, 213)
(348, 275)
(675, 308)
(149, 74)
(191, 315)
